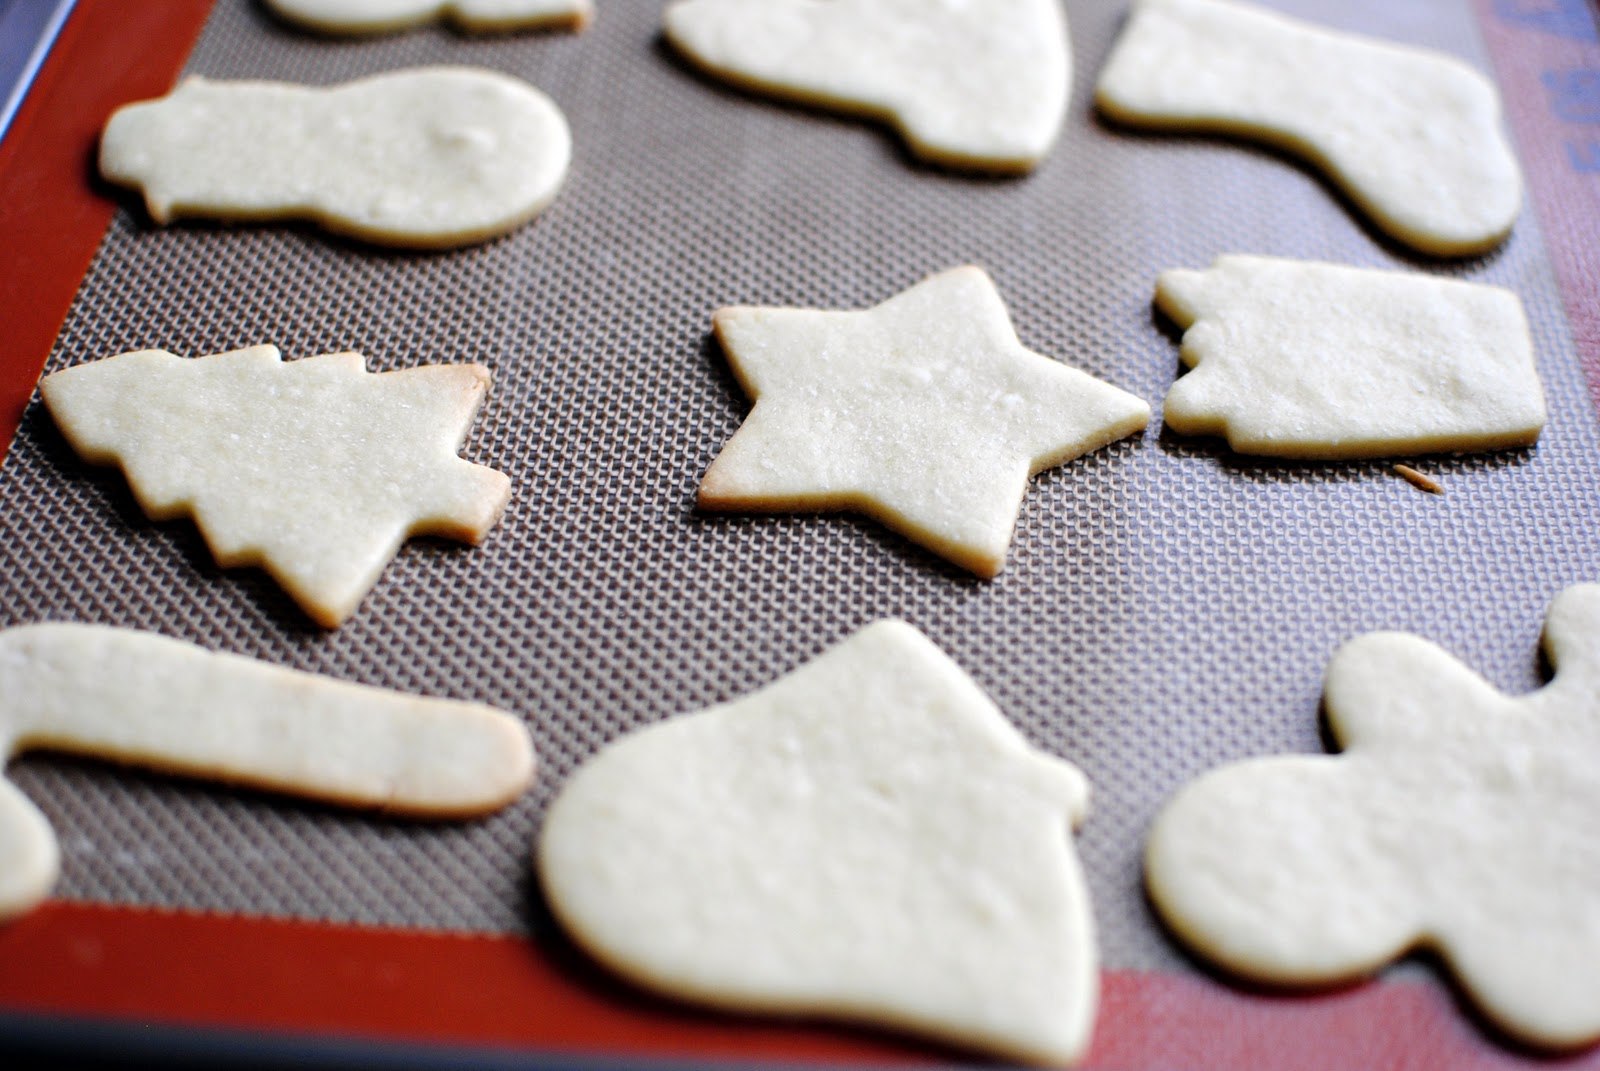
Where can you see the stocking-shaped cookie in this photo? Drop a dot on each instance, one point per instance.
(1412, 136)
(980, 85)
(315, 470)
(428, 158)
(154, 702)
(866, 839)
(1457, 818)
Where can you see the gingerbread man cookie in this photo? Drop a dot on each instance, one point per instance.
(1457, 818)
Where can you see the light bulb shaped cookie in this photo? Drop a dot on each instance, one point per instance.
(1412, 136)
(866, 839)
(145, 700)
(1457, 818)
(476, 16)
(314, 469)
(976, 85)
(428, 158)
(1305, 360)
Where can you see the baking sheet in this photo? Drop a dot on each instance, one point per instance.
(27, 30)
(1167, 607)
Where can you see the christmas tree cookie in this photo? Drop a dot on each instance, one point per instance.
(314, 469)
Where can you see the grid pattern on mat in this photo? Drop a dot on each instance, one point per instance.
(1168, 606)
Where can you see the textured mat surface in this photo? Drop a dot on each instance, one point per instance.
(1167, 606)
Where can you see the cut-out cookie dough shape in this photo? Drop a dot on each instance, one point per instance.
(866, 839)
(313, 469)
(976, 85)
(1412, 136)
(476, 16)
(149, 701)
(1305, 360)
(924, 412)
(1457, 818)
(429, 158)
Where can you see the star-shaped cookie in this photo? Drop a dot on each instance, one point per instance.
(314, 469)
(865, 839)
(1457, 818)
(924, 412)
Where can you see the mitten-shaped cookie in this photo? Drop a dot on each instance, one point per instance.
(975, 85)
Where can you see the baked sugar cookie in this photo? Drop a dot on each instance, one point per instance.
(149, 701)
(477, 16)
(1457, 819)
(1298, 359)
(428, 158)
(313, 469)
(867, 839)
(1414, 137)
(977, 85)
(924, 412)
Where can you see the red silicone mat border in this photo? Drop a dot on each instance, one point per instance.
(141, 966)
(1546, 55)
(51, 217)
(300, 978)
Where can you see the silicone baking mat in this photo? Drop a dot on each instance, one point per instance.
(1168, 606)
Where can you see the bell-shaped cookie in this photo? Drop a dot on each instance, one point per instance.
(866, 839)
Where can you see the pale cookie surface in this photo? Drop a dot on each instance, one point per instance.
(866, 839)
(427, 158)
(1458, 818)
(924, 412)
(385, 16)
(1414, 137)
(1298, 359)
(980, 85)
(314, 469)
(149, 701)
